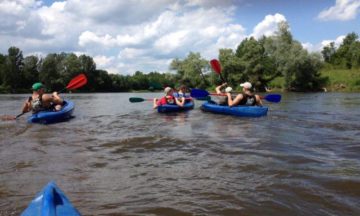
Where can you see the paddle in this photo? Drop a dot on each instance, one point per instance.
(77, 82)
(138, 99)
(215, 64)
(199, 93)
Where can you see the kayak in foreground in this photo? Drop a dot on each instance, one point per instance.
(51, 201)
(246, 111)
(175, 108)
(48, 117)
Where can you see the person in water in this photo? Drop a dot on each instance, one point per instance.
(222, 100)
(167, 99)
(39, 101)
(246, 98)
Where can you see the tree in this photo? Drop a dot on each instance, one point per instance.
(12, 69)
(258, 67)
(191, 70)
(328, 52)
(30, 70)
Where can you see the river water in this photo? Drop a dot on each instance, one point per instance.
(122, 158)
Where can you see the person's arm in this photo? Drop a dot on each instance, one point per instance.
(218, 88)
(155, 104)
(258, 100)
(234, 102)
(26, 106)
(180, 101)
(57, 99)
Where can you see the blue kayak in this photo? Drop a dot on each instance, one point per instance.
(175, 108)
(247, 111)
(51, 201)
(47, 117)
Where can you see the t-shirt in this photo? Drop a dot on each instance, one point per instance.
(166, 100)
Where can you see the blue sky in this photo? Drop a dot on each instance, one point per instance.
(124, 36)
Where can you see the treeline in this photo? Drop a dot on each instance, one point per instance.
(346, 56)
(18, 73)
(258, 61)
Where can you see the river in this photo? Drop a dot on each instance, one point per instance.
(122, 158)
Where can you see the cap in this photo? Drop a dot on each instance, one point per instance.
(167, 90)
(246, 85)
(37, 86)
(228, 89)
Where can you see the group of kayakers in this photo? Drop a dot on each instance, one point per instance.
(225, 98)
(172, 97)
(40, 101)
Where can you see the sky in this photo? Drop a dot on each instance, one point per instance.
(125, 36)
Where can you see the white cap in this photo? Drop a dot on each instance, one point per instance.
(228, 89)
(246, 85)
(167, 90)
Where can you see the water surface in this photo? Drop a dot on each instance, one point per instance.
(122, 158)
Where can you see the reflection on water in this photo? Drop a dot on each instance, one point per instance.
(117, 157)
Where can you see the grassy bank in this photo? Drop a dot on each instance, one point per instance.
(341, 80)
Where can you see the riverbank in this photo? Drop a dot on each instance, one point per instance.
(339, 80)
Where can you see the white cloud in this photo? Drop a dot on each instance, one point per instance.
(343, 10)
(103, 61)
(268, 26)
(318, 47)
(338, 41)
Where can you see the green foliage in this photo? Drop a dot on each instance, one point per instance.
(342, 79)
(191, 70)
(347, 56)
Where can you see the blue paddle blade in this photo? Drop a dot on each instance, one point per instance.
(199, 93)
(275, 98)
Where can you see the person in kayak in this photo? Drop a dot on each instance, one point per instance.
(246, 98)
(167, 99)
(39, 101)
(222, 100)
(181, 95)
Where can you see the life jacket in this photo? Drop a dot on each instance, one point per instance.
(36, 104)
(166, 100)
(248, 100)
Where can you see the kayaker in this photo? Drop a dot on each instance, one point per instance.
(222, 100)
(39, 101)
(246, 98)
(167, 99)
(181, 95)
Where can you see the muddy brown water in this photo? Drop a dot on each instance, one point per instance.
(122, 158)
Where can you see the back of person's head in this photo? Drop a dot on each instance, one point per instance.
(246, 85)
(183, 88)
(37, 86)
(167, 90)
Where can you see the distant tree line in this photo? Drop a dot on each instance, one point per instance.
(259, 61)
(346, 56)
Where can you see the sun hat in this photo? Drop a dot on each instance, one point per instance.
(246, 85)
(167, 90)
(228, 89)
(37, 86)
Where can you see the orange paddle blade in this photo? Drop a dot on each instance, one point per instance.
(77, 82)
(215, 64)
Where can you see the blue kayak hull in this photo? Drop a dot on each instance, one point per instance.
(48, 117)
(51, 201)
(246, 111)
(175, 108)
